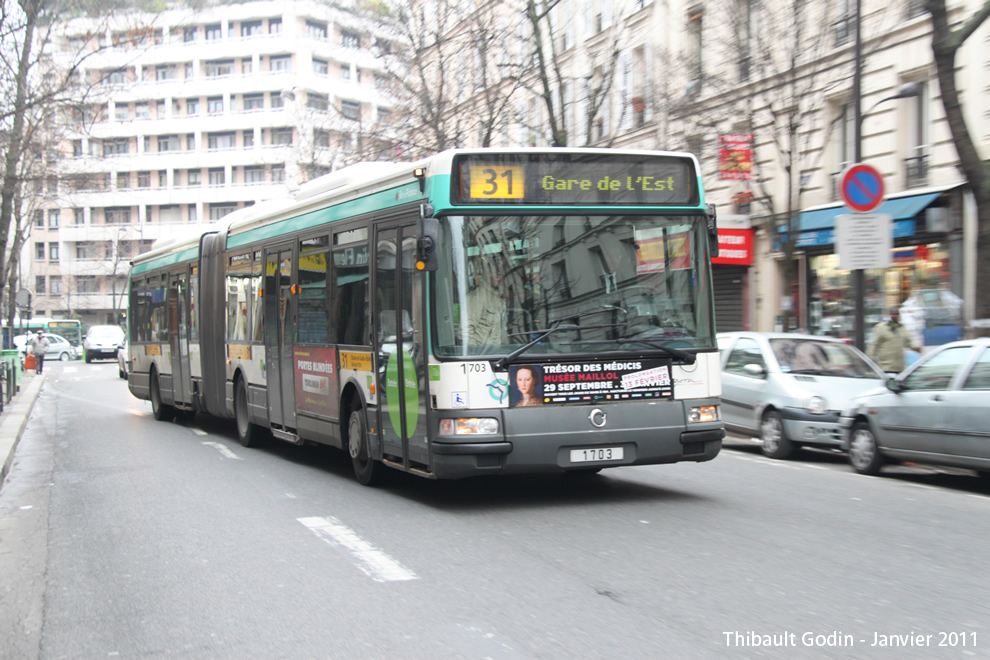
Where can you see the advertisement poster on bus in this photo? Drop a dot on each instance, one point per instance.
(316, 380)
(583, 382)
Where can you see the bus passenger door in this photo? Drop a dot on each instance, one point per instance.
(280, 315)
(178, 331)
(400, 345)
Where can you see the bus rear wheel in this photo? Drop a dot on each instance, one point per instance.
(367, 470)
(248, 434)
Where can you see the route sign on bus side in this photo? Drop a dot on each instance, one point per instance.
(862, 188)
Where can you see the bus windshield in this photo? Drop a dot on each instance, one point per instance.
(571, 284)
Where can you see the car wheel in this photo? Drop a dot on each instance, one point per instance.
(775, 442)
(121, 372)
(248, 433)
(89, 358)
(367, 470)
(160, 411)
(63, 357)
(864, 454)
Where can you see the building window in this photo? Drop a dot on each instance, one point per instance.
(247, 138)
(278, 173)
(317, 103)
(277, 101)
(191, 142)
(217, 177)
(274, 26)
(144, 179)
(254, 175)
(282, 136)
(320, 67)
(116, 147)
(280, 63)
(916, 167)
(845, 26)
(321, 138)
(194, 178)
(220, 141)
(39, 219)
(316, 30)
(193, 216)
(188, 67)
(53, 218)
(254, 102)
(247, 66)
(77, 148)
(79, 216)
(214, 32)
(192, 107)
(351, 109)
(219, 68)
(250, 28)
(162, 179)
(39, 251)
(87, 284)
(189, 34)
(141, 111)
(168, 143)
(384, 115)
(55, 285)
(122, 113)
(695, 42)
(214, 105)
(218, 211)
(345, 71)
(169, 214)
(118, 77)
(53, 252)
(39, 284)
(165, 72)
(84, 250)
(123, 180)
(117, 215)
(349, 39)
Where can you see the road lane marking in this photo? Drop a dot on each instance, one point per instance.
(223, 449)
(374, 562)
(198, 431)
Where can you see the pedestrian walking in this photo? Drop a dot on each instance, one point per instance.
(39, 346)
(890, 339)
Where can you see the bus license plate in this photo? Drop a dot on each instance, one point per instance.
(596, 454)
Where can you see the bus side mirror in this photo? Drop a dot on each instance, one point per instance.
(427, 240)
(712, 232)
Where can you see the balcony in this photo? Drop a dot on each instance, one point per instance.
(916, 171)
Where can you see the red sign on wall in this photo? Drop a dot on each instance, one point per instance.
(735, 247)
(735, 157)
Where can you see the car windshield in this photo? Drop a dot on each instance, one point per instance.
(562, 285)
(822, 358)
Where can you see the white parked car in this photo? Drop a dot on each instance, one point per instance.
(787, 390)
(59, 348)
(101, 342)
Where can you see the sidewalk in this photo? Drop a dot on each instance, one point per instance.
(14, 417)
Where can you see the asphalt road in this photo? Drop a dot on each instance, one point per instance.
(124, 537)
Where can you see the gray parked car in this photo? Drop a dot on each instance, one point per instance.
(935, 412)
(787, 390)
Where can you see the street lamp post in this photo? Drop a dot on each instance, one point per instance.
(904, 91)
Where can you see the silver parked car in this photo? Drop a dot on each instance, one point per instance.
(59, 347)
(787, 390)
(935, 412)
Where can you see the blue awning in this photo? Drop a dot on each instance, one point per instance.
(902, 208)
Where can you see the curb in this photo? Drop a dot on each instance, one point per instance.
(14, 418)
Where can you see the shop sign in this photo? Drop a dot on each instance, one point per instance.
(587, 382)
(735, 247)
(735, 157)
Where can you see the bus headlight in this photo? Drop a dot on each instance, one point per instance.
(469, 426)
(703, 414)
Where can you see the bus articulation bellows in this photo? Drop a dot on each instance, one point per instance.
(482, 311)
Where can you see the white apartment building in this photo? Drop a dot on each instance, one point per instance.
(192, 114)
(690, 73)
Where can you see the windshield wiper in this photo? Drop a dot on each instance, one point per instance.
(555, 325)
(684, 356)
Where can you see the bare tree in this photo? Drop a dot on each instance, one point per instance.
(946, 42)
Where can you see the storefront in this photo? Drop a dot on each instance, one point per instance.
(923, 280)
(730, 273)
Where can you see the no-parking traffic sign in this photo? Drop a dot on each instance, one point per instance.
(862, 188)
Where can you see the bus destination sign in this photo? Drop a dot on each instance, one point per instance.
(573, 179)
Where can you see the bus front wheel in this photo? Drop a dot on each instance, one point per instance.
(160, 411)
(367, 470)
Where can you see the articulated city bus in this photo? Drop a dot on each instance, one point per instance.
(482, 311)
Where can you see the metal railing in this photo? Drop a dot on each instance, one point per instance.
(916, 171)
